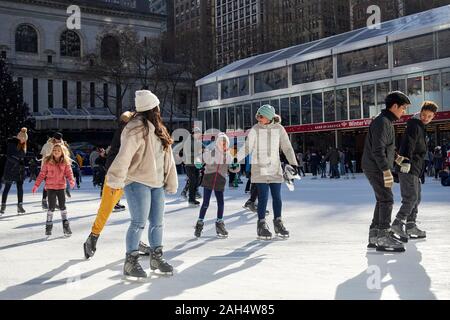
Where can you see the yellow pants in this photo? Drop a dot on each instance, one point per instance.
(109, 200)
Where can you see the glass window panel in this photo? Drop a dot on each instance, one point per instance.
(201, 117)
(70, 44)
(369, 107)
(271, 80)
(306, 109)
(295, 111)
(229, 88)
(208, 119)
(354, 95)
(239, 118)
(230, 118)
(216, 118)
(329, 106)
(247, 116)
(414, 50)
(446, 91)
(382, 92)
(284, 107)
(363, 60)
(443, 41)
(26, 39)
(223, 119)
(243, 86)
(432, 88)
(415, 94)
(276, 105)
(399, 85)
(317, 109)
(255, 107)
(313, 70)
(209, 92)
(341, 104)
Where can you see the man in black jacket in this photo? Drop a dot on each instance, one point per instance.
(411, 161)
(377, 163)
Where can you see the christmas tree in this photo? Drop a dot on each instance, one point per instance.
(14, 113)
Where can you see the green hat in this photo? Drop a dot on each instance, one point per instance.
(267, 111)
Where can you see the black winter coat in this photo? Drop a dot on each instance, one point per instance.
(15, 163)
(379, 147)
(414, 146)
(115, 146)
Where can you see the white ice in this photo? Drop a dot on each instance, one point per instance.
(325, 257)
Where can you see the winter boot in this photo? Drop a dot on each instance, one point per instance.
(386, 242)
(373, 235)
(220, 229)
(398, 228)
(20, 209)
(66, 228)
(263, 230)
(3, 208)
(132, 268)
(144, 249)
(90, 246)
(198, 228)
(118, 207)
(414, 232)
(158, 263)
(279, 228)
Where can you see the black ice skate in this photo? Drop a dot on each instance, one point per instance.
(158, 263)
(279, 228)
(20, 209)
(66, 228)
(144, 250)
(90, 246)
(385, 242)
(398, 228)
(198, 228)
(44, 204)
(48, 229)
(263, 230)
(132, 270)
(118, 207)
(373, 235)
(220, 230)
(414, 232)
(250, 205)
(2, 209)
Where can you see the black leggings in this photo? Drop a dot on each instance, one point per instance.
(52, 195)
(19, 192)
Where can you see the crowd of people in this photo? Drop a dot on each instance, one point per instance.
(140, 163)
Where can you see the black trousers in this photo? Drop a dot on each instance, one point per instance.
(384, 201)
(193, 175)
(253, 192)
(52, 195)
(19, 191)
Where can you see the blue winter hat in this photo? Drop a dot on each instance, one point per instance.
(267, 111)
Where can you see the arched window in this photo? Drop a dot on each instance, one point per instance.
(26, 39)
(110, 49)
(70, 44)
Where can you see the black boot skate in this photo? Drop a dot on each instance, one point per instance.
(263, 230)
(3, 208)
(158, 263)
(414, 232)
(66, 228)
(220, 229)
(132, 270)
(386, 242)
(144, 250)
(48, 228)
(373, 235)
(250, 205)
(90, 246)
(398, 228)
(279, 228)
(20, 209)
(198, 228)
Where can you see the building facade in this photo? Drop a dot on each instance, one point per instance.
(327, 91)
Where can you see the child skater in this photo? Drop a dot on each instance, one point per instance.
(56, 168)
(217, 163)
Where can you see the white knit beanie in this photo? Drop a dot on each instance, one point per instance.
(145, 100)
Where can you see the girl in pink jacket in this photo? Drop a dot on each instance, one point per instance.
(56, 168)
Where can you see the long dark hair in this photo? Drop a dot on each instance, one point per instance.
(154, 116)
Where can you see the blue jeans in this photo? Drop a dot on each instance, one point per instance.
(206, 198)
(263, 197)
(144, 203)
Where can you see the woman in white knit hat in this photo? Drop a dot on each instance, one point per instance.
(15, 168)
(144, 168)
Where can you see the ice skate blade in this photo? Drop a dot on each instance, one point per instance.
(118, 210)
(221, 236)
(132, 279)
(67, 235)
(145, 254)
(157, 272)
(282, 237)
(417, 237)
(264, 238)
(385, 249)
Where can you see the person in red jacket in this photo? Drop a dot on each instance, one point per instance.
(56, 168)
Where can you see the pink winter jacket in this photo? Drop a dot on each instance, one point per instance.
(55, 176)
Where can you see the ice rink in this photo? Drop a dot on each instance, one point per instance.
(325, 257)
